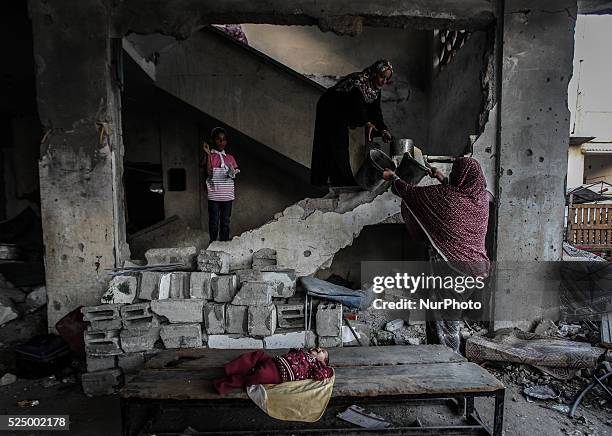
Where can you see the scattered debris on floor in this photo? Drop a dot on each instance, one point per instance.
(362, 418)
(27, 403)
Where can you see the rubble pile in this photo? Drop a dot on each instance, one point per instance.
(213, 306)
(16, 303)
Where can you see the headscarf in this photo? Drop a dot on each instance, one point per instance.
(454, 216)
(362, 80)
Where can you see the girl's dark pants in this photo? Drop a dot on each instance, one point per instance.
(219, 213)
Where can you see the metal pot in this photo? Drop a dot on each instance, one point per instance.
(400, 146)
(369, 176)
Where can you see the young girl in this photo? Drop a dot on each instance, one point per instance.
(257, 367)
(221, 169)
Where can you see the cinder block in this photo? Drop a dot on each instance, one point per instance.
(138, 315)
(185, 256)
(329, 319)
(103, 317)
(101, 382)
(149, 285)
(100, 363)
(102, 342)
(284, 282)
(181, 335)
(330, 341)
(292, 339)
(234, 342)
(262, 320)
(290, 315)
(179, 284)
(139, 339)
(131, 362)
(179, 311)
(224, 288)
(254, 294)
(121, 290)
(200, 285)
(164, 286)
(247, 275)
(264, 257)
(214, 318)
(217, 262)
(236, 319)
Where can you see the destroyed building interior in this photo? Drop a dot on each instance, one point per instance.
(105, 249)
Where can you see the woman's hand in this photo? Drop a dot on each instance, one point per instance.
(388, 174)
(206, 147)
(370, 129)
(435, 173)
(386, 136)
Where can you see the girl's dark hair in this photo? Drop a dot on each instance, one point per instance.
(216, 132)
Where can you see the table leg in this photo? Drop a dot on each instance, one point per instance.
(498, 418)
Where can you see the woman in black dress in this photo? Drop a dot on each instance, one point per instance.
(353, 102)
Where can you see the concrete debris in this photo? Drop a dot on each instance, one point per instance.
(236, 319)
(214, 318)
(139, 339)
(165, 256)
(262, 320)
(247, 275)
(182, 335)
(179, 285)
(363, 333)
(329, 319)
(541, 392)
(394, 325)
(121, 290)
(284, 281)
(101, 382)
(264, 257)
(330, 341)
(290, 315)
(100, 363)
(8, 311)
(37, 298)
(217, 262)
(138, 315)
(164, 286)
(104, 317)
(254, 294)
(200, 285)
(546, 327)
(179, 310)
(149, 285)
(102, 343)
(291, 339)
(234, 342)
(14, 294)
(224, 288)
(8, 379)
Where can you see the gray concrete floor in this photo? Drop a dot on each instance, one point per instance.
(101, 415)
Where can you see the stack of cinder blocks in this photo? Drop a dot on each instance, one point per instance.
(212, 306)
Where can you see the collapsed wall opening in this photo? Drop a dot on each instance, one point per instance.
(264, 89)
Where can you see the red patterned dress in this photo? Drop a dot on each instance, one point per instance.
(299, 364)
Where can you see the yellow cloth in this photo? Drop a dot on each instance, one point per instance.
(302, 400)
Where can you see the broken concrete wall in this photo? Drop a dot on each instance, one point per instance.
(325, 57)
(459, 95)
(81, 156)
(537, 66)
(307, 235)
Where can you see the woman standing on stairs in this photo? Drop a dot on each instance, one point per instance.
(353, 102)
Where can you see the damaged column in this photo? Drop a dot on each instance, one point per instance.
(81, 162)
